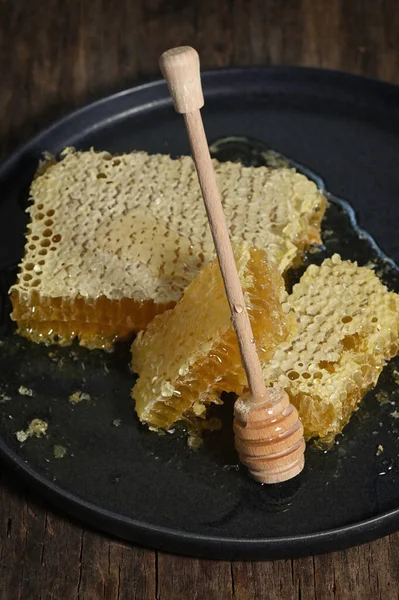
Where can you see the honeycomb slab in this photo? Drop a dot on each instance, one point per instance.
(189, 355)
(114, 240)
(348, 328)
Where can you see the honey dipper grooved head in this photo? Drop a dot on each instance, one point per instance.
(269, 436)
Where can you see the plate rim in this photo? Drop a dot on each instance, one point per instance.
(197, 544)
(207, 76)
(165, 538)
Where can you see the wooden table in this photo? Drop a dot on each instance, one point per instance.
(58, 54)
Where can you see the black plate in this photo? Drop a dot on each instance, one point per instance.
(154, 490)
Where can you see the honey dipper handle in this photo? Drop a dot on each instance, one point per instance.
(180, 67)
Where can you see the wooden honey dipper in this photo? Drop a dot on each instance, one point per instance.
(268, 432)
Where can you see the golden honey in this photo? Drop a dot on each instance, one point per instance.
(97, 323)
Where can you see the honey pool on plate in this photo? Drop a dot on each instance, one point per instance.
(118, 456)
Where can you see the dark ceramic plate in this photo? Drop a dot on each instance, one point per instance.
(152, 489)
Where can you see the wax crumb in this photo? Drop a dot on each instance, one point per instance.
(37, 428)
(24, 391)
(59, 451)
(22, 436)
(78, 396)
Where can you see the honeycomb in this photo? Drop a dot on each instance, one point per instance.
(348, 327)
(203, 358)
(115, 240)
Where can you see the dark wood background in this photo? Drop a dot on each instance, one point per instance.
(58, 54)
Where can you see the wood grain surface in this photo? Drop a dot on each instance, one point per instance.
(57, 54)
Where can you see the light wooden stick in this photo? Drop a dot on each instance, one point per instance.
(180, 67)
